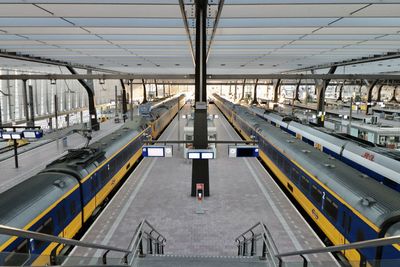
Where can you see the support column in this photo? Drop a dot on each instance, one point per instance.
(144, 92)
(200, 170)
(56, 111)
(296, 92)
(88, 85)
(235, 91)
(340, 98)
(131, 98)
(255, 102)
(244, 85)
(124, 104)
(163, 88)
(276, 89)
(116, 101)
(378, 98)
(369, 96)
(25, 100)
(394, 99)
(155, 84)
(321, 88)
(31, 121)
(230, 89)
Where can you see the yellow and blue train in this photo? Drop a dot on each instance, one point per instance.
(347, 205)
(63, 197)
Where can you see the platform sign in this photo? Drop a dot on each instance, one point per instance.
(11, 135)
(32, 134)
(243, 151)
(157, 151)
(200, 197)
(200, 154)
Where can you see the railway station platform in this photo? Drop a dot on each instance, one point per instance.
(242, 193)
(36, 158)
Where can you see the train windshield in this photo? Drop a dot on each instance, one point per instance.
(393, 230)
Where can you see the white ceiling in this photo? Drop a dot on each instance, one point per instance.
(253, 36)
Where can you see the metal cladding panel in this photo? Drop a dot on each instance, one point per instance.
(376, 162)
(31, 197)
(332, 143)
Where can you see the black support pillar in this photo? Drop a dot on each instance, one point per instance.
(235, 91)
(200, 170)
(31, 122)
(244, 85)
(276, 89)
(144, 92)
(296, 92)
(90, 91)
(394, 99)
(163, 90)
(340, 97)
(378, 98)
(321, 88)
(369, 96)
(25, 100)
(124, 102)
(155, 84)
(255, 102)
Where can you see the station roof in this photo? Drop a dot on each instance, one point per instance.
(252, 37)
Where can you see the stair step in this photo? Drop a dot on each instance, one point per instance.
(197, 261)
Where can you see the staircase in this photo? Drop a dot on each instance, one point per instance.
(198, 261)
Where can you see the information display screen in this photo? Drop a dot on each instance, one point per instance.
(155, 152)
(246, 152)
(194, 155)
(207, 155)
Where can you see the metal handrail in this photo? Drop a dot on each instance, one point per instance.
(12, 231)
(355, 245)
(136, 244)
(268, 243)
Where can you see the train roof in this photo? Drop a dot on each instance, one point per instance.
(372, 199)
(80, 162)
(31, 197)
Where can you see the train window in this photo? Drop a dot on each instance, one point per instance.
(274, 156)
(46, 228)
(316, 194)
(61, 215)
(346, 222)
(287, 168)
(94, 184)
(331, 208)
(104, 174)
(305, 184)
(360, 235)
(73, 207)
(295, 175)
(19, 255)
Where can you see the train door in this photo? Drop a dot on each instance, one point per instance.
(346, 225)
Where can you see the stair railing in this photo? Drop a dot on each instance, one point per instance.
(378, 242)
(270, 252)
(145, 233)
(12, 231)
(247, 243)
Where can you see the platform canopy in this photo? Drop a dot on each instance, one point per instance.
(251, 37)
